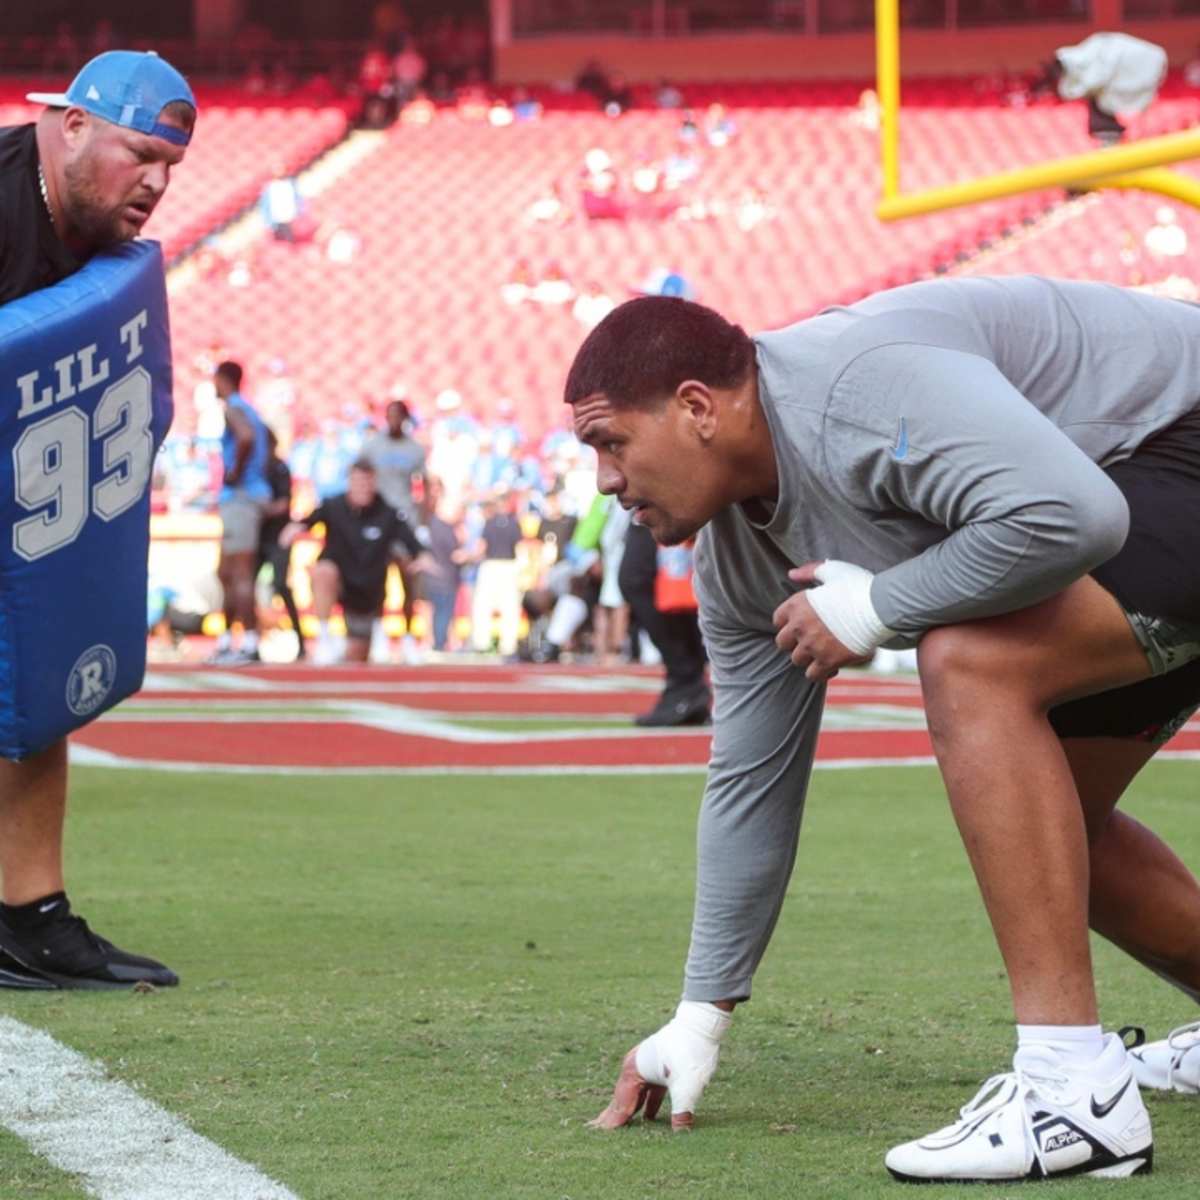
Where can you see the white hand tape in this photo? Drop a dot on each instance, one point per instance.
(843, 602)
(682, 1055)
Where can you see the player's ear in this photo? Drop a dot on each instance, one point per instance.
(700, 406)
(76, 126)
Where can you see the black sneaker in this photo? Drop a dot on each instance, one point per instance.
(61, 952)
(689, 706)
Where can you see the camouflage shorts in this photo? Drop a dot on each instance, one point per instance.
(1169, 645)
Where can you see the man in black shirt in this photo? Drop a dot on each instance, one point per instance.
(85, 176)
(361, 529)
(497, 583)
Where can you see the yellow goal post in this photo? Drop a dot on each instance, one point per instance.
(1134, 165)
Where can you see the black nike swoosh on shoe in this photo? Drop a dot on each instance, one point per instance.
(1102, 1110)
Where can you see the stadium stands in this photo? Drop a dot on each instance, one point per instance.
(430, 240)
(236, 150)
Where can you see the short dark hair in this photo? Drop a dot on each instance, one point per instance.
(231, 371)
(182, 113)
(363, 464)
(645, 348)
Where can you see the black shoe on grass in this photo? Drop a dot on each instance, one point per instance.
(682, 706)
(61, 952)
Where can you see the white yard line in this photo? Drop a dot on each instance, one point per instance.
(211, 682)
(207, 681)
(396, 718)
(119, 1144)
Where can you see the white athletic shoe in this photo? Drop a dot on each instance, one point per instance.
(1172, 1065)
(328, 651)
(1038, 1122)
(380, 650)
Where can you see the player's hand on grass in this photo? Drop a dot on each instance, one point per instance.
(678, 1060)
(833, 624)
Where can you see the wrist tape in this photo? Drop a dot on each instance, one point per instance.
(843, 602)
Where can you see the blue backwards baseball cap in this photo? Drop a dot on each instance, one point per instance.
(129, 88)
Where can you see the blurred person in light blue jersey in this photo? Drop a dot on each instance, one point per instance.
(245, 494)
(399, 461)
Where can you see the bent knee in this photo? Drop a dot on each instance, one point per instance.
(962, 664)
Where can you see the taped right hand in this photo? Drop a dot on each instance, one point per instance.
(679, 1059)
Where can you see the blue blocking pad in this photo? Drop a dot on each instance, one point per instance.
(85, 401)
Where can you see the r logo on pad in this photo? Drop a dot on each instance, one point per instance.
(91, 679)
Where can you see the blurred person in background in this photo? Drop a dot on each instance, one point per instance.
(244, 496)
(440, 583)
(281, 204)
(409, 70)
(271, 551)
(611, 614)
(560, 605)
(497, 587)
(399, 461)
(685, 698)
(556, 526)
(361, 529)
(327, 459)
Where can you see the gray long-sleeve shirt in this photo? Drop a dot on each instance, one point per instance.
(949, 436)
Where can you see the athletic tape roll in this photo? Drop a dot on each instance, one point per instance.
(85, 376)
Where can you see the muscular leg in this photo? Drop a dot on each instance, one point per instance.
(228, 580)
(280, 557)
(408, 583)
(988, 686)
(33, 806)
(326, 584)
(1142, 898)
(241, 583)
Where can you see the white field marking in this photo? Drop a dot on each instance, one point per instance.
(233, 680)
(120, 1145)
(599, 683)
(394, 718)
(872, 716)
(378, 687)
(206, 681)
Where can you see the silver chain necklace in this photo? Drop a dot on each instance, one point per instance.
(45, 194)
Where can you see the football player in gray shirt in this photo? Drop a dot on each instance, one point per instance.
(1003, 472)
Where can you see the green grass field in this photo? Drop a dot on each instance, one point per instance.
(424, 987)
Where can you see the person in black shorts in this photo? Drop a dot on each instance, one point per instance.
(361, 531)
(276, 517)
(1000, 471)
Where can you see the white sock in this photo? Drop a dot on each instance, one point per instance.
(569, 614)
(224, 640)
(323, 630)
(1075, 1045)
(250, 641)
